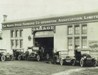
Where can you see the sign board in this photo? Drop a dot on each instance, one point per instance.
(54, 20)
(36, 28)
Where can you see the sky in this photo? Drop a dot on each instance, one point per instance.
(25, 9)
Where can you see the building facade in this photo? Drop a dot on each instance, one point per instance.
(54, 34)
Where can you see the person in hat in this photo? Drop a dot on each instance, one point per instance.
(77, 53)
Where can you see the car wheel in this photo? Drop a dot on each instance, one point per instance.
(82, 63)
(38, 57)
(61, 62)
(11, 57)
(3, 58)
(73, 62)
(19, 57)
(95, 63)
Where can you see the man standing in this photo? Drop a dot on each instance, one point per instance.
(77, 53)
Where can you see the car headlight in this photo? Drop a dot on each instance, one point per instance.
(84, 57)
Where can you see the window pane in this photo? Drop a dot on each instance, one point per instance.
(16, 33)
(77, 29)
(69, 43)
(84, 42)
(77, 41)
(12, 33)
(21, 43)
(16, 43)
(21, 33)
(84, 29)
(70, 30)
(12, 43)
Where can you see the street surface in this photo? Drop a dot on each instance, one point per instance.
(41, 68)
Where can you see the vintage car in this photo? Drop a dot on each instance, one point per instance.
(4, 55)
(87, 60)
(62, 57)
(23, 56)
(16, 53)
(33, 53)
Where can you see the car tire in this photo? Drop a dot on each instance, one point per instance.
(3, 58)
(82, 63)
(11, 58)
(95, 63)
(38, 57)
(61, 62)
(19, 57)
(73, 62)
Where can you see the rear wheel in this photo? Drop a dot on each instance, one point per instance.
(73, 62)
(3, 58)
(38, 57)
(82, 63)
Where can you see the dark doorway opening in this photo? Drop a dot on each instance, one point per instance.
(45, 42)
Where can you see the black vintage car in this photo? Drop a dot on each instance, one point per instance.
(34, 53)
(17, 53)
(4, 55)
(87, 60)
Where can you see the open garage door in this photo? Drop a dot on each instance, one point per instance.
(45, 39)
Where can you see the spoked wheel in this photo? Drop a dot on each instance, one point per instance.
(19, 57)
(95, 63)
(12, 58)
(2, 58)
(61, 62)
(38, 57)
(81, 63)
(73, 62)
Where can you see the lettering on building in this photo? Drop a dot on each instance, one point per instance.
(53, 20)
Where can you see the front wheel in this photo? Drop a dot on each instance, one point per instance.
(82, 63)
(3, 58)
(73, 62)
(95, 63)
(12, 58)
(61, 62)
(19, 57)
(38, 57)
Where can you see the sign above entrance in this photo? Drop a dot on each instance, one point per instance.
(44, 34)
(39, 28)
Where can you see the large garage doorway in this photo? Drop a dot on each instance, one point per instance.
(46, 43)
(45, 39)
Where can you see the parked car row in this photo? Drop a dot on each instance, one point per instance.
(61, 57)
(32, 53)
